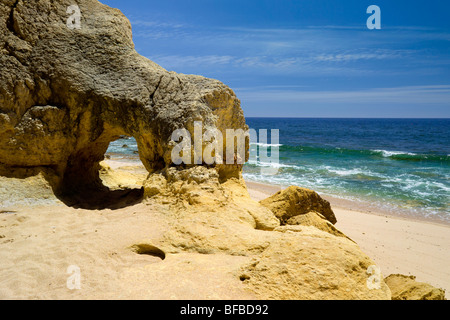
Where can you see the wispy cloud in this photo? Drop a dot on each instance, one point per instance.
(431, 94)
(306, 51)
(336, 27)
(350, 58)
(255, 64)
(156, 24)
(305, 64)
(175, 61)
(365, 54)
(155, 28)
(363, 27)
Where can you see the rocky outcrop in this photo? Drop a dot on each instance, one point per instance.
(124, 176)
(296, 205)
(315, 219)
(65, 94)
(303, 263)
(407, 288)
(200, 189)
(287, 262)
(33, 190)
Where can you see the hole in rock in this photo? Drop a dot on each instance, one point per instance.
(244, 277)
(148, 249)
(115, 184)
(7, 211)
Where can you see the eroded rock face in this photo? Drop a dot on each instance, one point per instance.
(200, 189)
(304, 263)
(66, 94)
(407, 288)
(287, 262)
(294, 201)
(315, 219)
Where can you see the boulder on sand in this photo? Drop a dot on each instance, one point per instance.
(407, 288)
(295, 201)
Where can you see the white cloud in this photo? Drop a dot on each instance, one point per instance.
(322, 64)
(177, 61)
(432, 94)
(364, 55)
(311, 51)
(156, 24)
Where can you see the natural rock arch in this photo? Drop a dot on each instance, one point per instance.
(66, 94)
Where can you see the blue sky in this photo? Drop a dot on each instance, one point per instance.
(306, 58)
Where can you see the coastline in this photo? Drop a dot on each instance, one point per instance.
(398, 244)
(261, 190)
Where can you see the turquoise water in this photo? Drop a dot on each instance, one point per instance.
(395, 164)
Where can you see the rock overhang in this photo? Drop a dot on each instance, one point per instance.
(67, 93)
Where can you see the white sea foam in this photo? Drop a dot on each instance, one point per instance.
(352, 172)
(266, 145)
(388, 154)
(272, 164)
(346, 172)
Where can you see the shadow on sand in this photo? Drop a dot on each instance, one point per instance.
(103, 199)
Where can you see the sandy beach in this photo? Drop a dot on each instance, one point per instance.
(396, 244)
(39, 243)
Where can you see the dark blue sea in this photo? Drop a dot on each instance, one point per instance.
(400, 164)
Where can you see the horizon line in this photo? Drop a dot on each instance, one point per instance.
(378, 118)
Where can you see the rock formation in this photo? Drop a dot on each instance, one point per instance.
(305, 263)
(65, 94)
(288, 205)
(407, 288)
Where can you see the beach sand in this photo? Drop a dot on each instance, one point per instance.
(38, 244)
(396, 244)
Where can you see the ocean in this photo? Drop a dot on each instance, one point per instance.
(401, 166)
